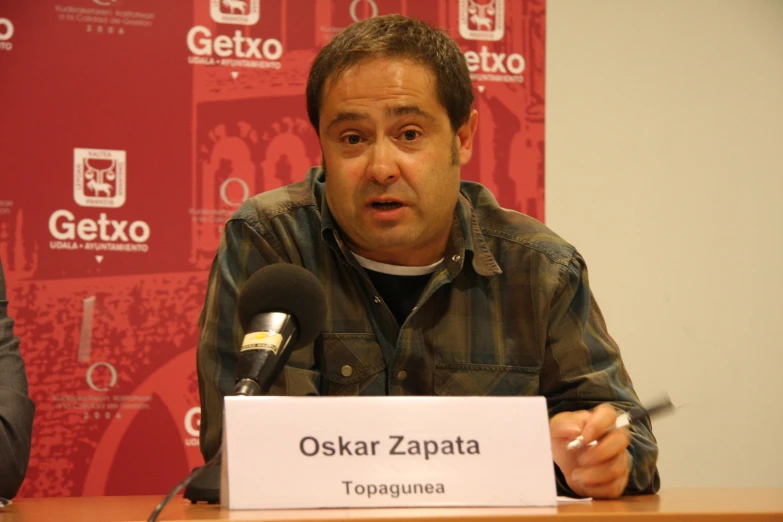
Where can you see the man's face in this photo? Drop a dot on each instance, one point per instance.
(392, 160)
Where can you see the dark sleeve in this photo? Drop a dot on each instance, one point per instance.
(242, 252)
(583, 368)
(16, 408)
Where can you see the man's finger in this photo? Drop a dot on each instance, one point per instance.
(602, 418)
(568, 425)
(609, 490)
(604, 473)
(608, 447)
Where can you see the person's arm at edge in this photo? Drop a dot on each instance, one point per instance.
(583, 369)
(16, 407)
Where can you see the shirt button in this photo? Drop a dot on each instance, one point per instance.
(401, 375)
(346, 371)
(377, 300)
(456, 258)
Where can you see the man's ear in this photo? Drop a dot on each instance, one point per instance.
(465, 135)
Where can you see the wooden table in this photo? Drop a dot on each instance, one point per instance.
(672, 505)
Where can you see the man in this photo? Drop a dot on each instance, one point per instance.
(432, 288)
(16, 408)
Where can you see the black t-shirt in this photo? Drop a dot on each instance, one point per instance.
(399, 292)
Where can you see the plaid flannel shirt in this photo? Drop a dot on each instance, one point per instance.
(509, 312)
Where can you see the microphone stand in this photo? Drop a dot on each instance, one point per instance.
(212, 464)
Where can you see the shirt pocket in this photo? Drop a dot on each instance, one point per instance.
(352, 365)
(485, 379)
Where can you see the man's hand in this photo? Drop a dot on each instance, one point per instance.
(600, 471)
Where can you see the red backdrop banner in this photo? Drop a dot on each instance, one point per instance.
(130, 130)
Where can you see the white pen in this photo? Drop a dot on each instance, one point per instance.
(626, 419)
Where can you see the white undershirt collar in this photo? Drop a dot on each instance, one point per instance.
(384, 268)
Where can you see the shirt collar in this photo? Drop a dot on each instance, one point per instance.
(329, 230)
(467, 231)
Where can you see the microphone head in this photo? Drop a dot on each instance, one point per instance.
(289, 289)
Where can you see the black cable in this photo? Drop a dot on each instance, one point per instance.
(193, 474)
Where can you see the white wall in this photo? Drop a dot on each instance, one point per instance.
(665, 168)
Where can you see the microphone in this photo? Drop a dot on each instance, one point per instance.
(281, 307)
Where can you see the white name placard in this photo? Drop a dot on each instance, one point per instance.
(328, 452)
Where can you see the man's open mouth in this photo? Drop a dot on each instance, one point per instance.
(386, 205)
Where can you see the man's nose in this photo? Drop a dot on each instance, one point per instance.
(382, 167)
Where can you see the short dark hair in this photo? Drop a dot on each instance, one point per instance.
(395, 36)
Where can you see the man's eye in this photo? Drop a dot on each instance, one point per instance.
(410, 135)
(352, 139)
